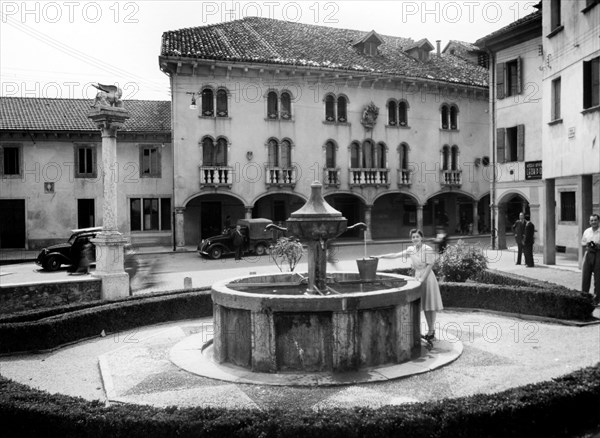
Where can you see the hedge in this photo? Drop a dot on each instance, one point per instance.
(561, 407)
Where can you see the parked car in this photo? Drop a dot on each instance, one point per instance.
(69, 253)
(256, 239)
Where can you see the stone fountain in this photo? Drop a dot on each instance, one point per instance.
(315, 322)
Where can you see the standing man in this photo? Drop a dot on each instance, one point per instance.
(238, 242)
(528, 242)
(591, 259)
(519, 230)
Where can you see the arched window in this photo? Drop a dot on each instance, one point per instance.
(404, 156)
(286, 154)
(222, 103)
(330, 108)
(208, 152)
(286, 105)
(207, 102)
(444, 114)
(330, 155)
(453, 117)
(403, 113)
(454, 158)
(392, 113)
(272, 105)
(354, 155)
(446, 158)
(380, 162)
(342, 104)
(221, 152)
(368, 154)
(273, 153)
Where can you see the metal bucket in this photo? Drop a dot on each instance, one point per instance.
(367, 268)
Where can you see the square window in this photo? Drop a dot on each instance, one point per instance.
(567, 207)
(85, 161)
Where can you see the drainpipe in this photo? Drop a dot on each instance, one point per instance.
(492, 75)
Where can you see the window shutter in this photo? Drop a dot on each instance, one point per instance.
(500, 145)
(587, 84)
(519, 76)
(521, 143)
(500, 68)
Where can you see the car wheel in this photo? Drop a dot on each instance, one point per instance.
(260, 249)
(53, 264)
(216, 253)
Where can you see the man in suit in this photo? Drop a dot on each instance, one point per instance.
(528, 239)
(519, 230)
(238, 242)
(591, 260)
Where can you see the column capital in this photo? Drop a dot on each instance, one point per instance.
(109, 119)
(179, 210)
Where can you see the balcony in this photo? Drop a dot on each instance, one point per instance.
(331, 177)
(281, 176)
(404, 177)
(360, 177)
(216, 176)
(451, 178)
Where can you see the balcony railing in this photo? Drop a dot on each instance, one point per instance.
(216, 176)
(404, 177)
(281, 176)
(452, 178)
(331, 177)
(369, 177)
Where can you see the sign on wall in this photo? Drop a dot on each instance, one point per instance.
(533, 169)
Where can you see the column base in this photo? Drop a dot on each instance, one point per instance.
(110, 265)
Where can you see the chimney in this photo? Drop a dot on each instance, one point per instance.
(438, 47)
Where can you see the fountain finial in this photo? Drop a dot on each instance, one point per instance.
(316, 204)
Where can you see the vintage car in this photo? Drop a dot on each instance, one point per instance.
(256, 239)
(69, 253)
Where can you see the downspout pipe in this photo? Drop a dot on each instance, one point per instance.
(492, 76)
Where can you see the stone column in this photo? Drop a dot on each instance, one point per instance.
(475, 219)
(420, 217)
(550, 223)
(179, 229)
(585, 204)
(368, 235)
(248, 212)
(110, 242)
(500, 226)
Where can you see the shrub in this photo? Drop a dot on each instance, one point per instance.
(460, 262)
(286, 250)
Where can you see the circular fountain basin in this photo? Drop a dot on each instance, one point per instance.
(268, 324)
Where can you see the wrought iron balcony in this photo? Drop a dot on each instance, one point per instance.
(216, 176)
(369, 177)
(281, 176)
(452, 178)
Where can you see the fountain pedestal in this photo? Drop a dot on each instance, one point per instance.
(271, 332)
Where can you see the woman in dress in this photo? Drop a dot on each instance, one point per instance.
(422, 258)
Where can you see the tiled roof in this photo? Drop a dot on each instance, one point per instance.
(525, 21)
(44, 114)
(264, 40)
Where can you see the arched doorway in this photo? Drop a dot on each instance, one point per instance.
(393, 216)
(205, 215)
(277, 206)
(352, 208)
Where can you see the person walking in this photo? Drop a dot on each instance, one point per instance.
(422, 258)
(238, 242)
(528, 238)
(519, 230)
(591, 260)
(85, 258)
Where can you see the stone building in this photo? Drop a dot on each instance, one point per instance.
(395, 130)
(51, 178)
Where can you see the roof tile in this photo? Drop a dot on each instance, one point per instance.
(265, 40)
(47, 114)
